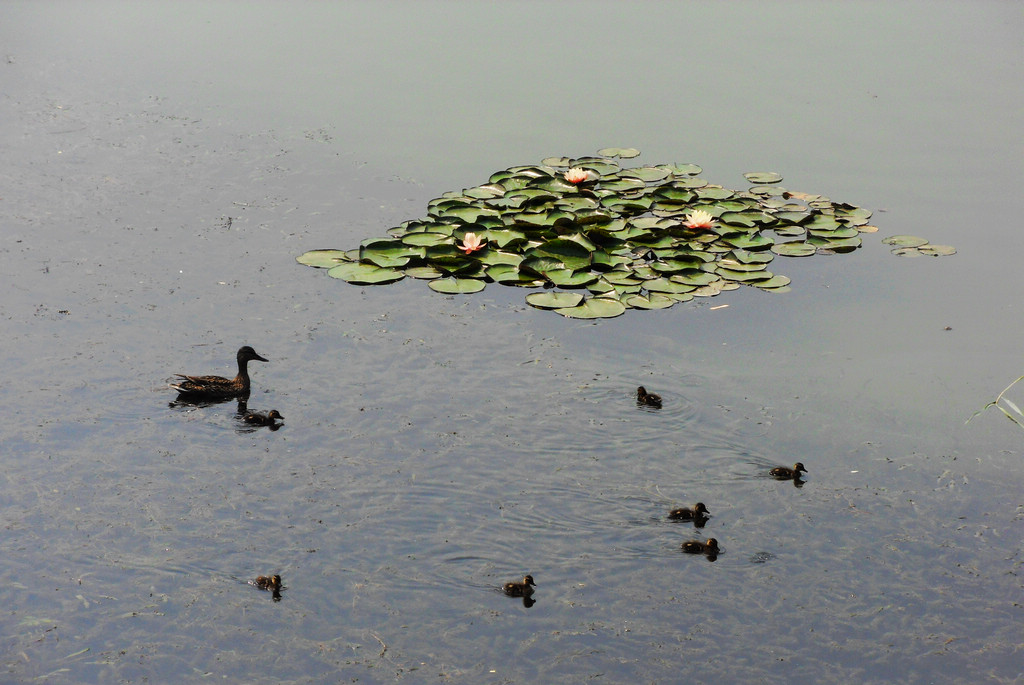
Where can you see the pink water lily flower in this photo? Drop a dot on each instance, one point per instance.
(576, 175)
(471, 242)
(698, 218)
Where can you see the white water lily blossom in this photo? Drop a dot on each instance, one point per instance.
(471, 242)
(576, 175)
(699, 218)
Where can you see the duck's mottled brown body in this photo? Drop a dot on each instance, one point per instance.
(272, 583)
(258, 419)
(521, 589)
(709, 547)
(648, 399)
(699, 511)
(785, 473)
(218, 387)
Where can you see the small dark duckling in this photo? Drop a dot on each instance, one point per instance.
(710, 547)
(648, 399)
(258, 419)
(218, 387)
(784, 473)
(699, 511)
(272, 583)
(523, 589)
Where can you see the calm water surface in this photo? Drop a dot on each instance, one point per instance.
(164, 165)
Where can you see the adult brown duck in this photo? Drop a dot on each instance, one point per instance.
(218, 387)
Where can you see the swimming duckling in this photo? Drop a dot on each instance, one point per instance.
(523, 589)
(710, 547)
(784, 473)
(272, 583)
(258, 419)
(213, 387)
(699, 511)
(647, 398)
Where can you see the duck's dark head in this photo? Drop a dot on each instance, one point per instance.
(528, 580)
(798, 468)
(275, 414)
(699, 508)
(246, 353)
(711, 545)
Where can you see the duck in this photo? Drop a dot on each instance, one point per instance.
(213, 387)
(709, 547)
(699, 511)
(647, 398)
(785, 473)
(258, 419)
(272, 583)
(521, 589)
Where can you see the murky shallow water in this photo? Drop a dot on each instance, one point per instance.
(436, 447)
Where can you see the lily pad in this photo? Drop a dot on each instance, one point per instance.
(323, 259)
(652, 301)
(905, 241)
(358, 273)
(795, 249)
(457, 286)
(594, 308)
(762, 177)
(937, 250)
(622, 152)
(553, 299)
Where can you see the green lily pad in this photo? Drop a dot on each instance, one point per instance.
(647, 173)
(651, 301)
(621, 152)
(594, 308)
(457, 286)
(358, 273)
(905, 241)
(423, 272)
(763, 177)
(775, 283)
(937, 250)
(553, 299)
(323, 259)
(794, 249)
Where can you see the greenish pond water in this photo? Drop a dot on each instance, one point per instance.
(165, 164)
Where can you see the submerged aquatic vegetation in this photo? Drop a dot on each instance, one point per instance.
(602, 238)
(1017, 416)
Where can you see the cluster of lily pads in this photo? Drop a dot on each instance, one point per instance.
(913, 246)
(596, 238)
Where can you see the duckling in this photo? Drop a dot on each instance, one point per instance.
(647, 398)
(699, 511)
(211, 387)
(710, 547)
(272, 583)
(783, 473)
(523, 589)
(258, 419)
